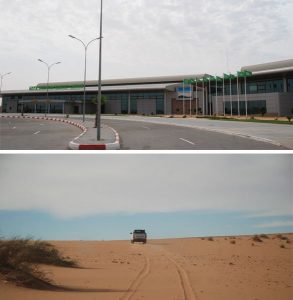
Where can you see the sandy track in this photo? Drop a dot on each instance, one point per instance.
(173, 269)
(185, 282)
(147, 284)
(137, 280)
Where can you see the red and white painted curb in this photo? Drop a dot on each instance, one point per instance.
(73, 145)
(83, 128)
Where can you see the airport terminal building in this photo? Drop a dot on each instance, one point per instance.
(269, 87)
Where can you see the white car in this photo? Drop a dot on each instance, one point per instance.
(139, 235)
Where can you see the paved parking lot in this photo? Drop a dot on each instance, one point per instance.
(269, 135)
(153, 136)
(28, 134)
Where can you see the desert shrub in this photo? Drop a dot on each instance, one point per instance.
(281, 237)
(282, 246)
(233, 242)
(19, 260)
(211, 239)
(264, 236)
(256, 238)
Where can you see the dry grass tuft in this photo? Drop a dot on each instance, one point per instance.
(19, 260)
(256, 238)
(264, 236)
(281, 237)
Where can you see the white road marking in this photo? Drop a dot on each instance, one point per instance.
(37, 132)
(13, 127)
(42, 124)
(145, 127)
(189, 142)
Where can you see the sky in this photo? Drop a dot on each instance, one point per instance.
(140, 38)
(96, 197)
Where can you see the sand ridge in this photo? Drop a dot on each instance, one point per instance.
(190, 269)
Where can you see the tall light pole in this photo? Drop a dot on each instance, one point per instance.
(84, 79)
(49, 68)
(2, 76)
(98, 115)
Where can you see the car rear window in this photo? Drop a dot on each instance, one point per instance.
(139, 231)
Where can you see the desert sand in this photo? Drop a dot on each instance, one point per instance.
(190, 268)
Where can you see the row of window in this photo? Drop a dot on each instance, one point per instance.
(270, 86)
(253, 107)
(89, 97)
(58, 107)
(54, 108)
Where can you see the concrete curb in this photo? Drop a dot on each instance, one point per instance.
(73, 145)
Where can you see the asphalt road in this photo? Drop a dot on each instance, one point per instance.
(137, 135)
(27, 134)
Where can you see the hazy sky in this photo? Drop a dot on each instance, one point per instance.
(141, 37)
(89, 187)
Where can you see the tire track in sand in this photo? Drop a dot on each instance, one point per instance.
(189, 294)
(137, 280)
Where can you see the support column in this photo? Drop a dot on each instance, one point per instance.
(285, 85)
(129, 102)
(165, 102)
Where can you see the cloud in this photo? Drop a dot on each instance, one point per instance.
(275, 224)
(71, 185)
(142, 37)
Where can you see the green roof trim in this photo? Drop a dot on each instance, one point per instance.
(55, 87)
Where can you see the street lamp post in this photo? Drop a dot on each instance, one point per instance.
(84, 79)
(98, 115)
(2, 76)
(49, 68)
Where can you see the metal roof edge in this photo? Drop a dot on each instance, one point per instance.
(139, 80)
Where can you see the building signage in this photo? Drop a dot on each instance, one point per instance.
(184, 94)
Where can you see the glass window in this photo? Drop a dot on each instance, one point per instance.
(253, 107)
(252, 88)
(124, 106)
(133, 106)
(290, 84)
(160, 106)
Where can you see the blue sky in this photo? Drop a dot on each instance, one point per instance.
(61, 196)
(141, 37)
(118, 226)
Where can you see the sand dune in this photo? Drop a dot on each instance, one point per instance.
(191, 269)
